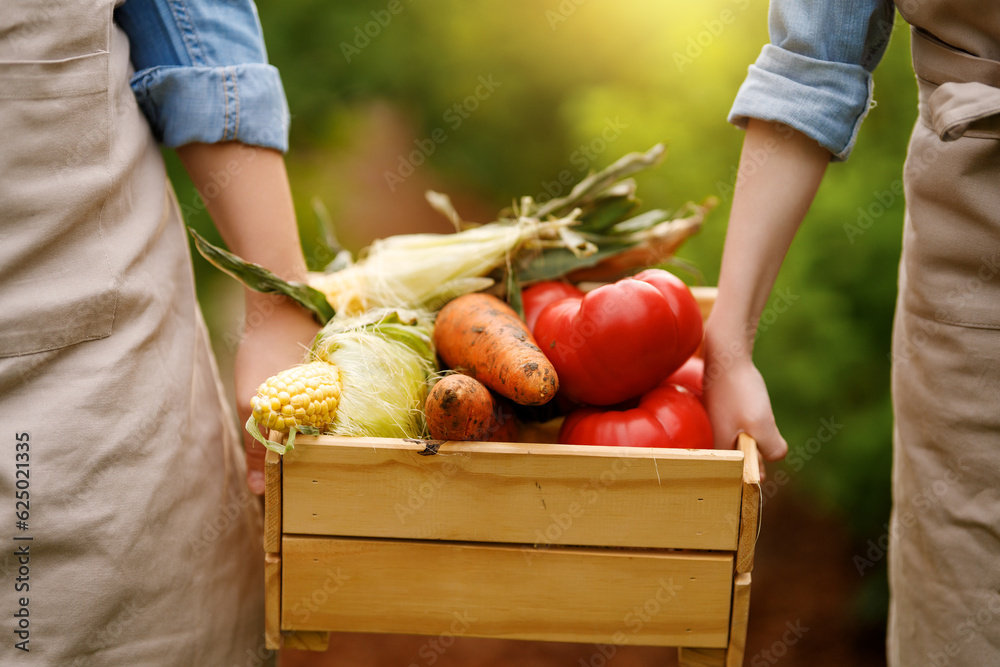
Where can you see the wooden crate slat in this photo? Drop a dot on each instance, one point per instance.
(750, 506)
(701, 657)
(557, 594)
(307, 641)
(740, 620)
(272, 601)
(513, 493)
(272, 502)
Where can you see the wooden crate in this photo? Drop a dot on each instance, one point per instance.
(606, 545)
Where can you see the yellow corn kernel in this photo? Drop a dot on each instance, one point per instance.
(306, 395)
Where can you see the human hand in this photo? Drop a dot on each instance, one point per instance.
(279, 342)
(737, 401)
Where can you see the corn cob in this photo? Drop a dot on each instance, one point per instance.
(306, 395)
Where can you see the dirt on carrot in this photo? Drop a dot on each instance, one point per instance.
(481, 336)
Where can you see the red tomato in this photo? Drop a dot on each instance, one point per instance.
(690, 376)
(539, 295)
(620, 340)
(683, 303)
(667, 416)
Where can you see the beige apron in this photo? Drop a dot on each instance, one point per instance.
(944, 556)
(143, 543)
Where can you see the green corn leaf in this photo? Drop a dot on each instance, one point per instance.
(276, 447)
(605, 213)
(639, 223)
(592, 186)
(258, 278)
(557, 262)
(514, 299)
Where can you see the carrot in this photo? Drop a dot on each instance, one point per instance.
(483, 337)
(459, 407)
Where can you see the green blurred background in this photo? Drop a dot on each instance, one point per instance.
(572, 86)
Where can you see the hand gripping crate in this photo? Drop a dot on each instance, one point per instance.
(604, 545)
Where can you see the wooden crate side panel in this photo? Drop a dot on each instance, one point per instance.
(307, 641)
(557, 594)
(272, 502)
(701, 657)
(272, 601)
(514, 493)
(740, 621)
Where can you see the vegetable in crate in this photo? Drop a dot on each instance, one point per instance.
(306, 395)
(462, 408)
(667, 416)
(481, 336)
(539, 295)
(380, 362)
(691, 376)
(620, 340)
(590, 234)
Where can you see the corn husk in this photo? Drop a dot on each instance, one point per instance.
(428, 270)
(385, 359)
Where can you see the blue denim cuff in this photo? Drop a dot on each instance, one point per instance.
(824, 100)
(243, 103)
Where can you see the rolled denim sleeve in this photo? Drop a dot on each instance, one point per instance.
(202, 73)
(815, 75)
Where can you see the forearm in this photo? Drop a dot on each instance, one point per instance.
(247, 194)
(780, 171)
(246, 191)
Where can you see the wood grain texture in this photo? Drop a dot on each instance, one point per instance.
(272, 601)
(307, 641)
(513, 493)
(556, 594)
(272, 502)
(701, 657)
(739, 621)
(705, 296)
(750, 506)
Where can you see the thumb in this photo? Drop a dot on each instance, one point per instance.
(769, 442)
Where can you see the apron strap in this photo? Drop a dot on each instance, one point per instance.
(968, 89)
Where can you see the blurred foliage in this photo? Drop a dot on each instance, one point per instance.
(653, 70)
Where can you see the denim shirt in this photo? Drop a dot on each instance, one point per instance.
(815, 75)
(201, 72)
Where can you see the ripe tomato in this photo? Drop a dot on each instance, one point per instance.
(667, 416)
(539, 295)
(620, 340)
(691, 376)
